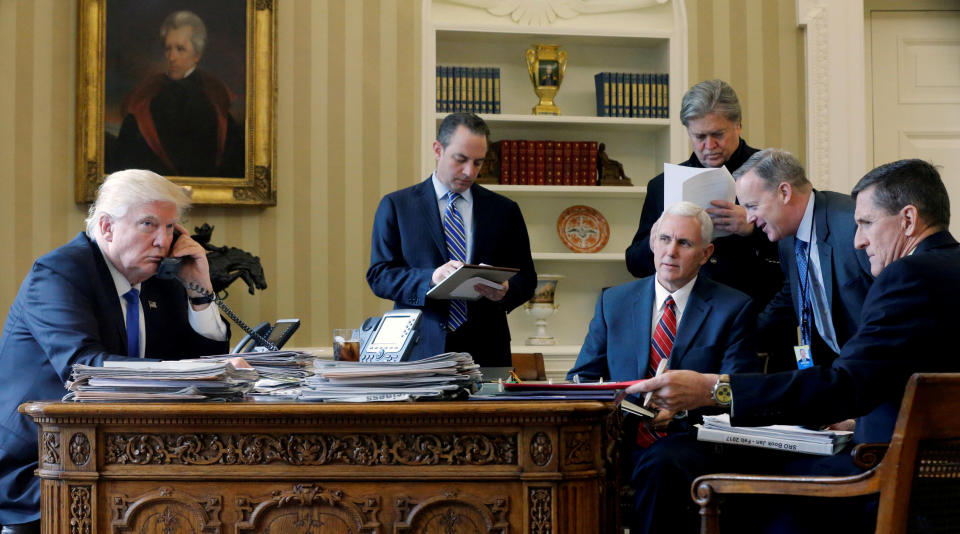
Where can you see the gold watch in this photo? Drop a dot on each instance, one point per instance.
(722, 394)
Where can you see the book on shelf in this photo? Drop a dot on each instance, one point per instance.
(717, 428)
(629, 94)
(525, 162)
(468, 89)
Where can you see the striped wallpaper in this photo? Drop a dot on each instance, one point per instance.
(348, 115)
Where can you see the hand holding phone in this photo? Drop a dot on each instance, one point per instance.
(194, 268)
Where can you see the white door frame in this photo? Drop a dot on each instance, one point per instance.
(836, 92)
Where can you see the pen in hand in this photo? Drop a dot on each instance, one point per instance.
(661, 367)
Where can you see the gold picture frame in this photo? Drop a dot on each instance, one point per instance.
(255, 71)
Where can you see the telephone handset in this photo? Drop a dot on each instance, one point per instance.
(278, 334)
(169, 269)
(390, 338)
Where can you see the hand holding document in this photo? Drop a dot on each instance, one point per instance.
(460, 284)
(699, 186)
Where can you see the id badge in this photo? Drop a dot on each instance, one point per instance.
(802, 353)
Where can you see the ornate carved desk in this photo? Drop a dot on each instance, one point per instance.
(458, 467)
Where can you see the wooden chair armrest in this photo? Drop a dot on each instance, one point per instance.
(868, 455)
(706, 490)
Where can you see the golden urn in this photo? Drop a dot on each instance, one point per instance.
(546, 65)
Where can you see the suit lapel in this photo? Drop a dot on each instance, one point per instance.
(111, 301)
(427, 198)
(642, 317)
(824, 249)
(481, 232)
(694, 314)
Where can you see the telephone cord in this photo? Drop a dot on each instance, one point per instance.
(233, 317)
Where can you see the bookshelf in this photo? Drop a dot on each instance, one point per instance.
(613, 39)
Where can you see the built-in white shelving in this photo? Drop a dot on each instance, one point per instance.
(607, 39)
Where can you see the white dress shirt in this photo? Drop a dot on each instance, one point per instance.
(680, 298)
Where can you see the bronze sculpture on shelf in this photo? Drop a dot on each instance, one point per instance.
(229, 263)
(611, 170)
(490, 171)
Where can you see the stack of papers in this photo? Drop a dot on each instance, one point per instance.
(442, 376)
(122, 381)
(281, 372)
(717, 428)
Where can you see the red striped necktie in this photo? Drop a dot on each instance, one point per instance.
(661, 345)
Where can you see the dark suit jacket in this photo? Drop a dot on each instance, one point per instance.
(846, 272)
(715, 334)
(908, 316)
(749, 264)
(408, 245)
(67, 311)
(179, 128)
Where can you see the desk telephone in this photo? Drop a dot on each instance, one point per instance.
(390, 338)
(260, 339)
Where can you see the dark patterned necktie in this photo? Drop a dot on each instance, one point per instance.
(456, 250)
(800, 248)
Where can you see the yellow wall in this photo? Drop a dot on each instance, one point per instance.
(756, 46)
(348, 115)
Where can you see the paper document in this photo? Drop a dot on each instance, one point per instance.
(459, 285)
(699, 186)
(717, 428)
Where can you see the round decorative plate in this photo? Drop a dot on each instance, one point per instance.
(583, 229)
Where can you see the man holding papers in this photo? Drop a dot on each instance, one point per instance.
(678, 317)
(743, 259)
(825, 279)
(902, 215)
(423, 233)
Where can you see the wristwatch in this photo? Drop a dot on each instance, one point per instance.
(722, 394)
(198, 301)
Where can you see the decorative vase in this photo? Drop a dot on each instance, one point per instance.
(546, 65)
(543, 305)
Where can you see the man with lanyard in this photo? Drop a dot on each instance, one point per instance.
(825, 279)
(902, 215)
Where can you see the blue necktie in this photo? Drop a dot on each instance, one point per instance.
(133, 322)
(456, 250)
(800, 248)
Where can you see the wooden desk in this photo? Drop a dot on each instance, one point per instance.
(458, 467)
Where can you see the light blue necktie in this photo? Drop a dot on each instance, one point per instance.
(800, 248)
(456, 250)
(133, 322)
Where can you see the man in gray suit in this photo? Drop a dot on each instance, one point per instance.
(825, 278)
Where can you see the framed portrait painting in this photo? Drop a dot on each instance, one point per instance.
(185, 88)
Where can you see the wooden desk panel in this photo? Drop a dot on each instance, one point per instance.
(461, 467)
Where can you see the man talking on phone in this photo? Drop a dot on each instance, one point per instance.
(96, 299)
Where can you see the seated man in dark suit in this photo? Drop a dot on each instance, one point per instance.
(902, 215)
(95, 299)
(689, 320)
(423, 233)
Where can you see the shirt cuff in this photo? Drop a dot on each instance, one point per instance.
(208, 323)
